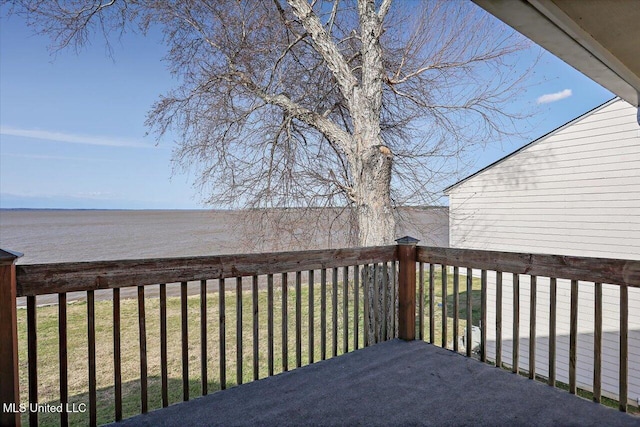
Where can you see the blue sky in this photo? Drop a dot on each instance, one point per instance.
(72, 131)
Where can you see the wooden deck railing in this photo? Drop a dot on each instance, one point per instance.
(32, 281)
(532, 268)
(254, 272)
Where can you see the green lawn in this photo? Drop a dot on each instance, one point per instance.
(47, 341)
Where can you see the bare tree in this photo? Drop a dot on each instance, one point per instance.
(356, 105)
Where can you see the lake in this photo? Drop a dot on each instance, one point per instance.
(46, 236)
(49, 236)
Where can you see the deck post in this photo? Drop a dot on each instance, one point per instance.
(407, 288)
(9, 386)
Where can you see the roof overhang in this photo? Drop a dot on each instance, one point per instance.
(600, 38)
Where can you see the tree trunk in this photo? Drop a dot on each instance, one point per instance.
(376, 226)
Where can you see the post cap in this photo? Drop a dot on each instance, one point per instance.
(7, 255)
(407, 240)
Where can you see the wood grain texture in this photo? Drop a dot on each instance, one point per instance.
(553, 309)
(239, 358)
(469, 337)
(532, 327)
(222, 334)
(142, 341)
(40, 279)
(323, 314)
(9, 364)
(483, 314)
(163, 345)
(270, 320)
(32, 356)
(606, 270)
(91, 357)
(117, 356)
(285, 320)
(597, 345)
(256, 327)
(456, 306)
(499, 319)
(624, 349)
(573, 337)
(356, 307)
(62, 357)
(185, 341)
(515, 359)
(432, 305)
(203, 338)
(407, 292)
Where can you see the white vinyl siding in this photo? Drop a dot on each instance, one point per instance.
(573, 192)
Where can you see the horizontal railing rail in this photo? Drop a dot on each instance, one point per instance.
(40, 279)
(603, 270)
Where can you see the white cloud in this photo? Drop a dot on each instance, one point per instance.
(553, 97)
(73, 138)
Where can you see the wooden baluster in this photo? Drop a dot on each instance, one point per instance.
(91, 336)
(222, 334)
(365, 292)
(515, 360)
(239, 358)
(62, 355)
(270, 344)
(117, 357)
(421, 301)
(185, 341)
(483, 312)
(164, 374)
(298, 319)
(553, 290)
(456, 307)
(32, 356)
(345, 309)
(311, 317)
(334, 302)
(432, 311)
(356, 307)
(285, 321)
(444, 305)
(469, 302)
(256, 327)
(573, 337)
(203, 338)
(624, 348)
(142, 328)
(499, 319)
(376, 304)
(532, 328)
(323, 313)
(597, 345)
(394, 300)
(384, 311)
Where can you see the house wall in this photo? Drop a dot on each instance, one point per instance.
(574, 192)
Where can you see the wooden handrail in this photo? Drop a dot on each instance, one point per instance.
(41, 279)
(602, 270)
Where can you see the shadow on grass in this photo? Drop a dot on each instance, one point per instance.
(131, 404)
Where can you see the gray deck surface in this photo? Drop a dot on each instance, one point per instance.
(392, 383)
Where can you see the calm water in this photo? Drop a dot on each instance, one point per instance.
(49, 236)
(46, 236)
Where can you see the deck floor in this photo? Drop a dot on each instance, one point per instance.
(392, 383)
